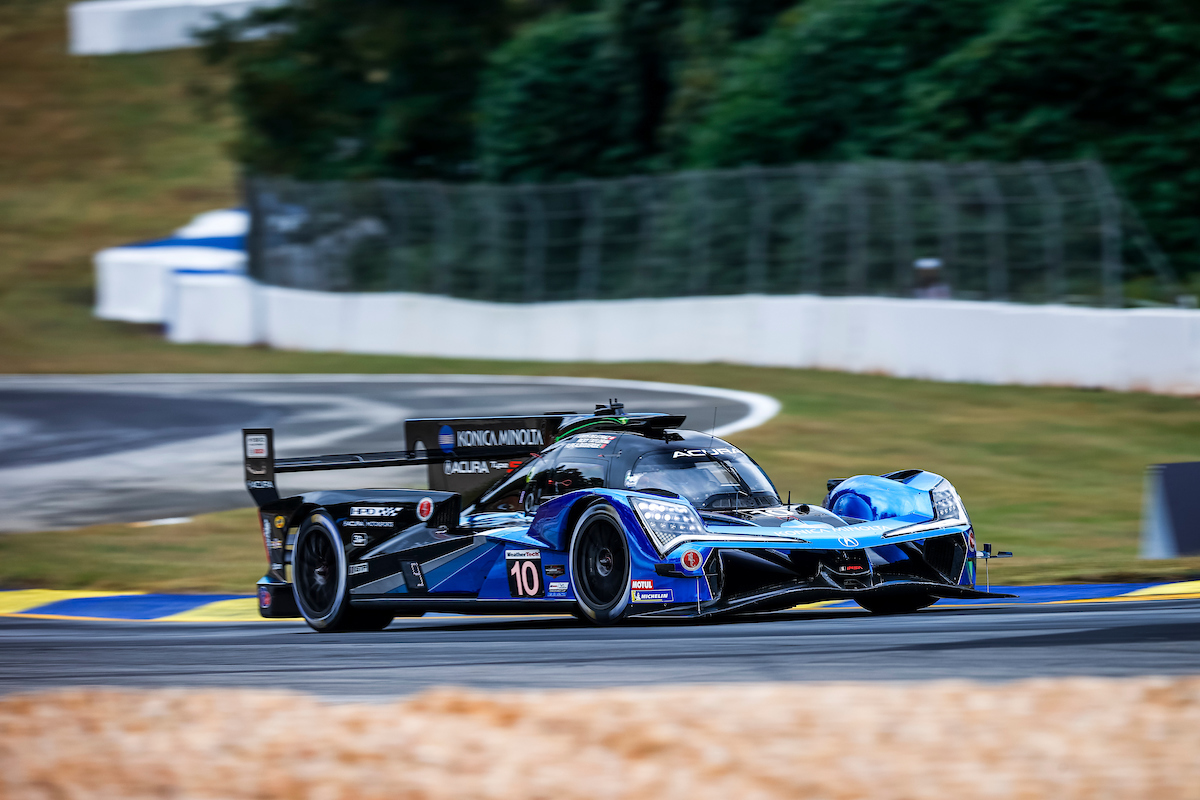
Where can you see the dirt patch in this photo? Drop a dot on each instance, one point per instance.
(1071, 738)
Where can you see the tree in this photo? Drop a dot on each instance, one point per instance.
(360, 88)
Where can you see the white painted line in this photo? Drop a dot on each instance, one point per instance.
(762, 408)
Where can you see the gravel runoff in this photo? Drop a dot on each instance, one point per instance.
(1046, 738)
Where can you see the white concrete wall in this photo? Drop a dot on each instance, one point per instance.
(133, 284)
(943, 340)
(103, 27)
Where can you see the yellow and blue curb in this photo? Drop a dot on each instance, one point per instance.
(144, 606)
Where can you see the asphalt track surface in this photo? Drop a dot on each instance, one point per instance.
(82, 450)
(988, 644)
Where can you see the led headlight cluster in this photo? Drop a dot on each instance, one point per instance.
(944, 503)
(666, 521)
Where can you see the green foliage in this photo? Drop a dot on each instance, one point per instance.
(559, 101)
(360, 88)
(549, 90)
(828, 81)
(1117, 80)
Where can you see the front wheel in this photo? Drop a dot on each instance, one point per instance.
(600, 565)
(896, 604)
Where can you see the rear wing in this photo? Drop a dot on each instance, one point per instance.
(465, 455)
(261, 466)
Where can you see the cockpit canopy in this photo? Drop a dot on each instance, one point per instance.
(711, 478)
(710, 473)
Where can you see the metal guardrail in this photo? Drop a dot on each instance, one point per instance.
(1028, 232)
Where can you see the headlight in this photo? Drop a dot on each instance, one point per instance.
(946, 505)
(667, 522)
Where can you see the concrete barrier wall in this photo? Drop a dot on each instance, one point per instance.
(103, 27)
(1146, 350)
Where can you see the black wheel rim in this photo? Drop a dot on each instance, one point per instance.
(599, 563)
(316, 572)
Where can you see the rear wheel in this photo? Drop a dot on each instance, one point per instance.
(896, 604)
(600, 565)
(319, 581)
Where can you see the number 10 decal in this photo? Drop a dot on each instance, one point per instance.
(525, 573)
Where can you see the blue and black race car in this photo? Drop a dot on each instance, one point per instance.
(608, 516)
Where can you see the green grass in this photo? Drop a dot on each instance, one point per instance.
(99, 151)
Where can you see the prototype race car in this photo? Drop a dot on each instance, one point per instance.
(608, 516)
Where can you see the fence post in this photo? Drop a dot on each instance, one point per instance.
(856, 237)
(1110, 234)
(1052, 229)
(644, 263)
(809, 178)
(397, 233)
(997, 227)
(902, 230)
(486, 202)
(947, 221)
(759, 232)
(589, 251)
(443, 239)
(701, 244)
(535, 243)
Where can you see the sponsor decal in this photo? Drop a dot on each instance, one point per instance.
(511, 554)
(260, 484)
(446, 439)
(358, 540)
(590, 441)
(374, 511)
(264, 597)
(358, 569)
(424, 509)
(873, 528)
(555, 570)
(466, 468)
(847, 541)
(485, 438)
(557, 587)
(705, 451)
(525, 573)
(691, 560)
(367, 523)
(279, 521)
(414, 579)
(266, 534)
(277, 566)
(655, 596)
(276, 544)
(641, 583)
(256, 446)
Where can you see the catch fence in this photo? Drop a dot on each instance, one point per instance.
(1028, 232)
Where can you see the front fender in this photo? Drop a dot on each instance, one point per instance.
(555, 519)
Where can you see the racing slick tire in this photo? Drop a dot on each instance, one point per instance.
(600, 566)
(319, 581)
(896, 604)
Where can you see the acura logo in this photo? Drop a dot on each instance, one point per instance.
(848, 541)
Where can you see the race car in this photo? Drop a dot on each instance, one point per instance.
(610, 516)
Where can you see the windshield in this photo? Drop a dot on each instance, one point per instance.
(717, 479)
